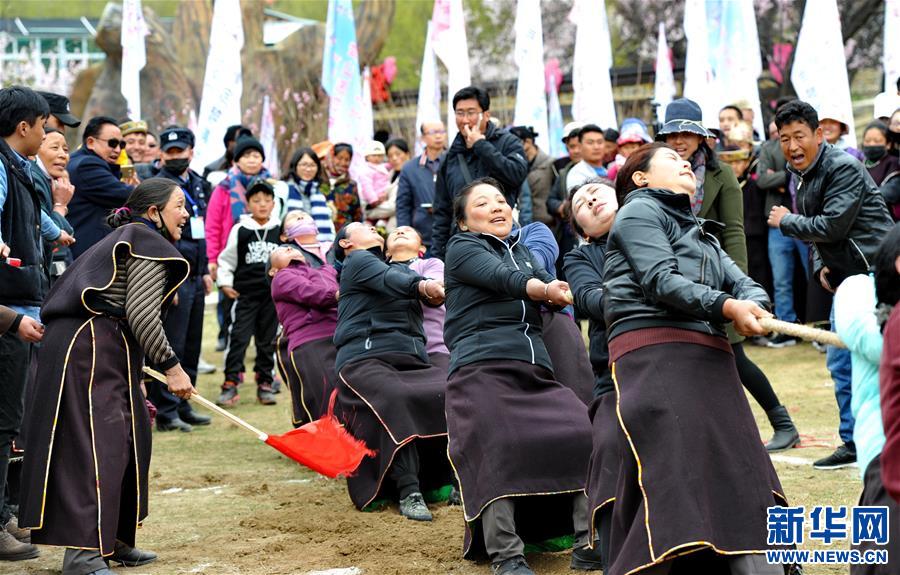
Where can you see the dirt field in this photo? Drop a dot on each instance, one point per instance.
(222, 503)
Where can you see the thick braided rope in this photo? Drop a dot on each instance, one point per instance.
(802, 331)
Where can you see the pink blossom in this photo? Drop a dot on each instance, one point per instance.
(390, 69)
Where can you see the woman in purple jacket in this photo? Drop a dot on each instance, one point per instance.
(305, 291)
(404, 245)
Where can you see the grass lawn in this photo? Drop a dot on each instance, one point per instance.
(222, 503)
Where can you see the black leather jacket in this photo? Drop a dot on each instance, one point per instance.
(665, 268)
(841, 211)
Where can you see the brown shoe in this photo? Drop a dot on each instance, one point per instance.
(11, 549)
(12, 527)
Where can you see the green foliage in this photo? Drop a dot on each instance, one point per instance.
(312, 9)
(72, 9)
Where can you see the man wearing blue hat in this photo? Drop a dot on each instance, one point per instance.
(184, 322)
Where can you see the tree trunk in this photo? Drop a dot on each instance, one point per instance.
(166, 94)
(193, 21)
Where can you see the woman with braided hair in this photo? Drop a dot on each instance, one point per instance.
(84, 481)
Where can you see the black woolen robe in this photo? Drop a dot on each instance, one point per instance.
(85, 476)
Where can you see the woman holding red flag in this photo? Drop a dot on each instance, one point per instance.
(84, 480)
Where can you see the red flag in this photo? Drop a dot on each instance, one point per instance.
(323, 445)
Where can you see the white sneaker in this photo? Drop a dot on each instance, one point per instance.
(205, 367)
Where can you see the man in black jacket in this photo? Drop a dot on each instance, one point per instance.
(184, 322)
(415, 190)
(841, 211)
(479, 150)
(96, 176)
(22, 287)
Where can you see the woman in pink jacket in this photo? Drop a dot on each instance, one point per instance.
(228, 201)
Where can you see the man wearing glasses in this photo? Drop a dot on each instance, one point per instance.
(479, 150)
(98, 182)
(415, 190)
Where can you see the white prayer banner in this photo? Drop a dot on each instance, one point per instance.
(220, 104)
(555, 121)
(531, 103)
(448, 38)
(341, 80)
(819, 74)
(592, 101)
(734, 54)
(664, 86)
(428, 106)
(267, 137)
(134, 55)
(700, 84)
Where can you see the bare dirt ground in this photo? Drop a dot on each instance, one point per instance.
(222, 503)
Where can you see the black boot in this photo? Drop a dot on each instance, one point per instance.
(786, 435)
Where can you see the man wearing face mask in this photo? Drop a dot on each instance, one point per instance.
(184, 323)
(882, 166)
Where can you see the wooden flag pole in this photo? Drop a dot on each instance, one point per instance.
(212, 406)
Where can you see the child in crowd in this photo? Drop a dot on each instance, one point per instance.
(229, 200)
(384, 214)
(632, 136)
(242, 277)
(374, 177)
(226, 205)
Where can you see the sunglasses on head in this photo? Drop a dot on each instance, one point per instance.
(113, 142)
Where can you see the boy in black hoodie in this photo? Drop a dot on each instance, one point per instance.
(242, 277)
